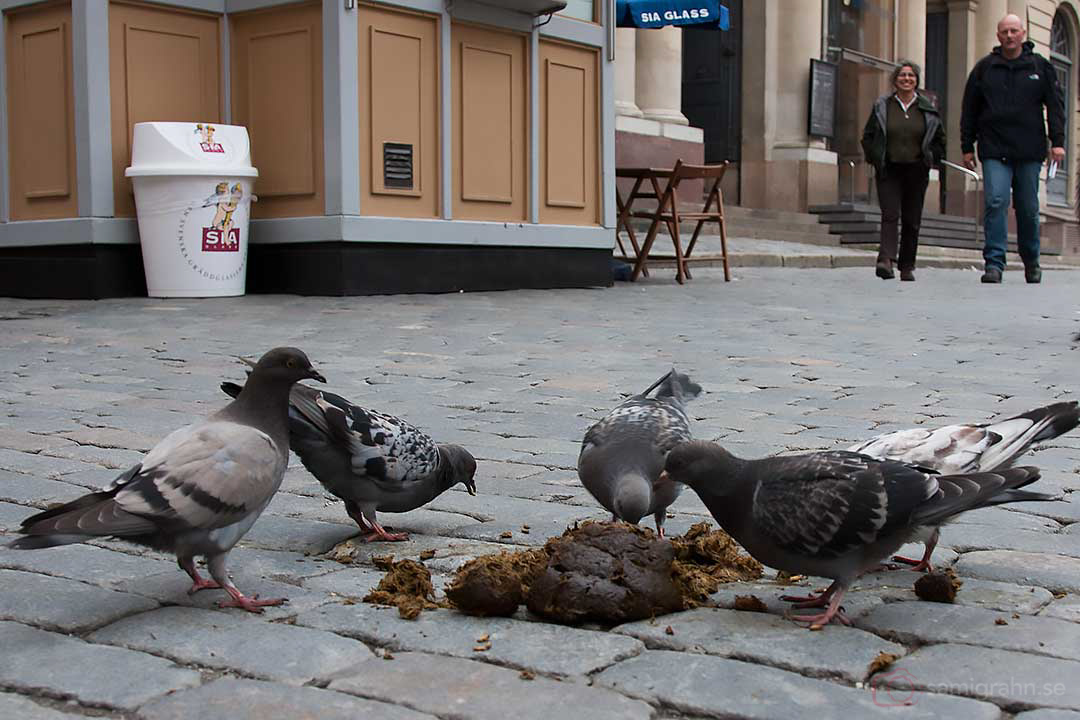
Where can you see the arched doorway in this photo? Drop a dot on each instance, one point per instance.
(1062, 47)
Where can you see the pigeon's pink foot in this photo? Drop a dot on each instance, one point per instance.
(202, 583)
(832, 612)
(198, 582)
(817, 599)
(816, 622)
(916, 565)
(378, 532)
(252, 604)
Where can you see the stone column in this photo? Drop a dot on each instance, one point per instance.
(911, 32)
(625, 71)
(658, 86)
(987, 16)
(963, 41)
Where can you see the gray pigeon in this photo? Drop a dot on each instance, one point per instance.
(832, 514)
(370, 460)
(623, 454)
(198, 490)
(969, 448)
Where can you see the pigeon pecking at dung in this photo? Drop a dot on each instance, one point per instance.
(832, 514)
(622, 455)
(370, 460)
(968, 448)
(200, 489)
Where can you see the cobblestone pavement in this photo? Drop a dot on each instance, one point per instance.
(790, 360)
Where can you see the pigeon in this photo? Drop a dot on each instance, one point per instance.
(371, 460)
(622, 455)
(200, 489)
(832, 514)
(969, 448)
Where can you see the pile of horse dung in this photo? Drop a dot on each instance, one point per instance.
(604, 572)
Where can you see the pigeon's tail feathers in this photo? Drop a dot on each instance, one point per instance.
(39, 542)
(659, 381)
(677, 386)
(231, 389)
(93, 515)
(1019, 433)
(959, 493)
(1055, 420)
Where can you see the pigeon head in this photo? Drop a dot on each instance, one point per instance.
(677, 386)
(700, 464)
(632, 497)
(462, 466)
(287, 364)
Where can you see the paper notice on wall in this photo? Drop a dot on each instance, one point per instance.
(1052, 171)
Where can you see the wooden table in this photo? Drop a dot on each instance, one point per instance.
(651, 177)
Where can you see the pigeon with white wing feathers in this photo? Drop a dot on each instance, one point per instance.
(622, 455)
(969, 448)
(372, 461)
(200, 489)
(832, 514)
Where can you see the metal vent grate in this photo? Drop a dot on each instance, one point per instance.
(397, 165)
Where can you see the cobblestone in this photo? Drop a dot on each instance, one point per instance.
(790, 360)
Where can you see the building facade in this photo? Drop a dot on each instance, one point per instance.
(402, 146)
(744, 93)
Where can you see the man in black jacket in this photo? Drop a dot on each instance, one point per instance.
(1003, 114)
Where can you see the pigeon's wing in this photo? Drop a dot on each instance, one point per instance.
(385, 449)
(971, 448)
(657, 423)
(208, 476)
(949, 449)
(824, 505)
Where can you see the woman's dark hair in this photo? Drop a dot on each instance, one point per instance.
(901, 64)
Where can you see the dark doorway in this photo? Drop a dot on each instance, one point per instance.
(935, 79)
(712, 85)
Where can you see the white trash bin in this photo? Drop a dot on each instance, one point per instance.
(193, 191)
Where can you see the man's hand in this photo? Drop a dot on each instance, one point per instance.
(969, 159)
(1057, 154)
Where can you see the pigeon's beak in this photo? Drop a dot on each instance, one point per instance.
(316, 375)
(664, 478)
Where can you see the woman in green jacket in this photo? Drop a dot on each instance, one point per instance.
(903, 139)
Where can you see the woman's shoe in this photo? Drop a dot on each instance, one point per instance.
(884, 270)
(907, 275)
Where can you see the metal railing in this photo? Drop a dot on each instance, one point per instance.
(978, 182)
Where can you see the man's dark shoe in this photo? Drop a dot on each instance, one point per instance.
(884, 270)
(907, 275)
(1033, 274)
(992, 275)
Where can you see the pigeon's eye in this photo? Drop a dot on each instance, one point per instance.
(290, 363)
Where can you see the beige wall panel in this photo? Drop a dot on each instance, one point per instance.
(490, 79)
(164, 65)
(277, 94)
(399, 101)
(569, 132)
(41, 130)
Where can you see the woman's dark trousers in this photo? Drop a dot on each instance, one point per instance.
(901, 190)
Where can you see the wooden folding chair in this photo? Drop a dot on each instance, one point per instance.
(667, 211)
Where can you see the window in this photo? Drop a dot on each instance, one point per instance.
(1061, 52)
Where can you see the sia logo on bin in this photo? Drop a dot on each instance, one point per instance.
(206, 142)
(221, 236)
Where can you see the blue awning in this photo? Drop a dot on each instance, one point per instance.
(660, 13)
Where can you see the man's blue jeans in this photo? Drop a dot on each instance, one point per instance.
(1023, 179)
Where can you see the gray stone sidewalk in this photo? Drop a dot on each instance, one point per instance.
(790, 360)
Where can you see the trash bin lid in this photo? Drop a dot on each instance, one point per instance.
(188, 148)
